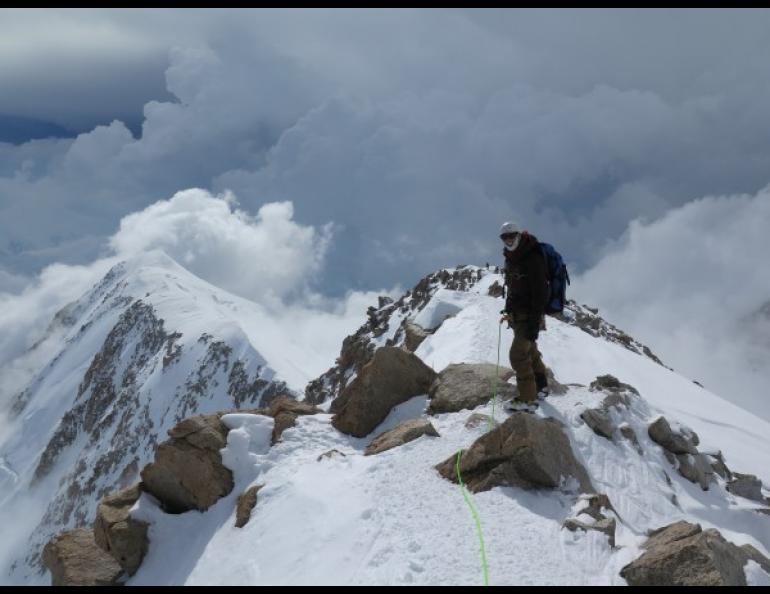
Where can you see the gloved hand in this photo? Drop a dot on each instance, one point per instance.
(506, 317)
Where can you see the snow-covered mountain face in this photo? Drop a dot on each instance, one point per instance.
(329, 514)
(152, 344)
(420, 311)
(147, 346)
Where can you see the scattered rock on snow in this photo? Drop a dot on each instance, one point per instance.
(682, 554)
(74, 559)
(746, 485)
(525, 451)
(246, 503)
(467, 385)
(188, 472)
(117, 533)
(392, 377)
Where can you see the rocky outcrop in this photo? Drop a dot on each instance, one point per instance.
(74, 559)
(496, 290)
(599, 421)
(746, 485)
(618, 395)
(589, 321)
(285, 411)
(188, 472)
(525, 451)
(465, 385)
(358, 349)
(594, 517)
(414, 336)
(681, 451)
(683, 554)
(392, 377)
(246, 503)
(674, 442)
(404, 433)
(117, 533)
(629, 435)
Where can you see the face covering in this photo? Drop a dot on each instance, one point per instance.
(515, 243)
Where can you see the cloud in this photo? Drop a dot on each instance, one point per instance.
(267, 257)
(415, 132)
(416, 146)
(693, 284)
(12, 283)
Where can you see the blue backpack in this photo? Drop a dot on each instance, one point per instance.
(558, 279)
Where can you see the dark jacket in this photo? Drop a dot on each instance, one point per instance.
(525, 278)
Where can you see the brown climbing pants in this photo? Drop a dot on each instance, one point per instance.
(526, 360)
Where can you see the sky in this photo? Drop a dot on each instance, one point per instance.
(400, 140)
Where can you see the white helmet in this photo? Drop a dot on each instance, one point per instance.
(508, 228)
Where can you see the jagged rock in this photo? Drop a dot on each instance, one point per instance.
(187, 472)
(246, 503)
(330, 454)
(671, 533)
(414, 336)
(285, 411)
(696, 469)
(117, 533)
(588, 320)
(746, 485)
(477, 419)
(358, 349)
(597, 503)
(609, 383)
(525, 451)
(758, 558)
(680, 451)
(496, 290)
(74, 559)
(392, 377)
(661, 433)
(718, 465)
(466, 385)
(555, 388)
(629, 434)
(606, 526)
(682, 554)
(599, 421)
(404, 433)
(618, 395)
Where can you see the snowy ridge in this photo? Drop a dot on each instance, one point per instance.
(435, 298)
(390, 519)
(147, 346)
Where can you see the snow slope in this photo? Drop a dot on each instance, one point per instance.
(390, 519)
(147, 346)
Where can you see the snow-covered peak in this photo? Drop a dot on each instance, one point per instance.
(329, 514)
(151, 344)
(145, 347)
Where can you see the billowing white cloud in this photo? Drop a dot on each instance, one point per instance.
(693, 285)
(269, 255)
(268, 258)
(415, 132)
(432, 136)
